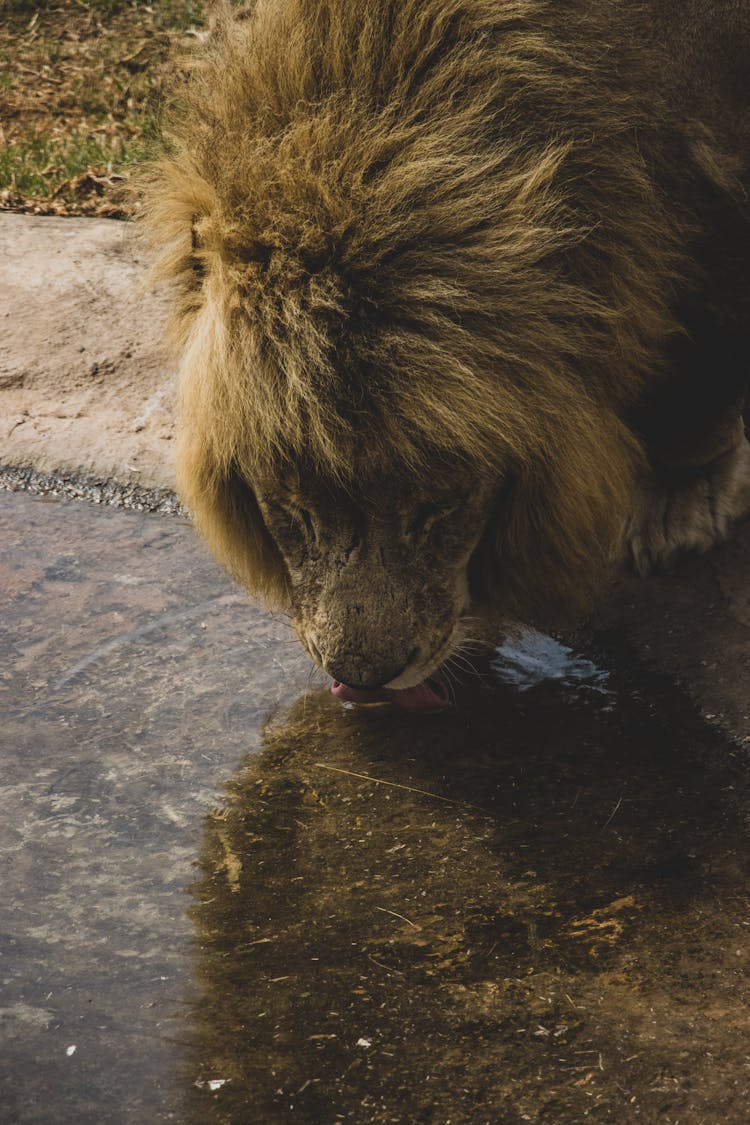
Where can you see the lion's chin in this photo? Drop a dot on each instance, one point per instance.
(430, 695)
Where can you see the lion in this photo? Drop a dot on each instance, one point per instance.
(463, 309)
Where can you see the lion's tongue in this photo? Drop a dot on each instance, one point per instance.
(430, 695)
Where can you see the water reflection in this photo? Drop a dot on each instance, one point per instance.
(532, 907)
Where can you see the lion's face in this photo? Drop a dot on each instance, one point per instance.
(378, 582)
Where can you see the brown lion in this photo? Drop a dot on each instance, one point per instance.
(464, 308)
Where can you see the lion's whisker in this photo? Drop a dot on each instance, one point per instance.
(464, 664)
(450, 681)
(457, 671)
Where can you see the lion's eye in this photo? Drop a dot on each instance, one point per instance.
(291, 524)
(427, 515)
(306, 519)
(423, 519)
(197, 264)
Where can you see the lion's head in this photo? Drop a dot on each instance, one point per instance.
(408, 342)
(377, 577)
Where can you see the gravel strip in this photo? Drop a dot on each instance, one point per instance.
(94, 489)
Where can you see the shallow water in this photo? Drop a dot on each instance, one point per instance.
(239, 901)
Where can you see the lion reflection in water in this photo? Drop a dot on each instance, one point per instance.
(442, 889)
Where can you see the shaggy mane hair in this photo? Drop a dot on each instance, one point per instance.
(415, 233)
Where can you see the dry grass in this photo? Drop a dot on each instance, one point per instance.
(81, 88)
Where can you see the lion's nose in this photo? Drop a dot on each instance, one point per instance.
(363, 674)
(363, 678)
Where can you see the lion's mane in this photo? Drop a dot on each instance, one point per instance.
(410, 231)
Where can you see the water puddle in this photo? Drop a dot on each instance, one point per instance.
(228, 898)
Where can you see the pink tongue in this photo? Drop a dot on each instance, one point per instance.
(430, 695)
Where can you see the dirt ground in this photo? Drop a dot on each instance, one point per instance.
(83, 84)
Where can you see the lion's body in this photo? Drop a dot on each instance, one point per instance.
(509, 236)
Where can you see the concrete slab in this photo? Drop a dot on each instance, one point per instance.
(227, 898)
(85, 381)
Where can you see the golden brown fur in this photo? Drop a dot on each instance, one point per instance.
(413, 234)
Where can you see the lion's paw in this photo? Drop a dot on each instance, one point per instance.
(690, 513)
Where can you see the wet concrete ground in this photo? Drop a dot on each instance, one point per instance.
(226, 898)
